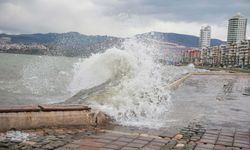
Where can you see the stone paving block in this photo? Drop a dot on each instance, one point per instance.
(131, 136)
(242, 130)
(210, 136)
(95, 136)
(182, 142)
(112, 146)
(129, 148)
(204, 146)
(157, 143)
(89, 142)
(227, 132)
(201, 148)
(61, 148)
(105, 149)
(87, 148)
(221, 147)
(225, 129)
(68, 147)
(125, 139)
(169, 145)
(242, 133)
(190, 146)
(151, 147)
(136, 145)
(236, 148)
(241, 145)
(208, 141)
(243, 141)
(145, 138)
(241, 137)
(162, 140)
(214, 132)
(225, 140)
(103, 140)
(225, 137)
(110, 136)
(195, 138)
(226, 143)
(140, 141)
(120, 143)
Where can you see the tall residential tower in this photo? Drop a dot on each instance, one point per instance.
(205, 36)
(237, 26)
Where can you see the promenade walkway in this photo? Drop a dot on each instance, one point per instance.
(192, 137)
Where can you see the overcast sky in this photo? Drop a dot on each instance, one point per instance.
(119, 17)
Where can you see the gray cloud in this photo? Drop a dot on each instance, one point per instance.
(119, 17)
(176, 10)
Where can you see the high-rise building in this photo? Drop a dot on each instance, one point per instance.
(205, 36)
(237, 26)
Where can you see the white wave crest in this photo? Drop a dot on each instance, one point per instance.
(139, 98)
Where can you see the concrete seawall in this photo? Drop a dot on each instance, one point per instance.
(176, 83)
(39, 116)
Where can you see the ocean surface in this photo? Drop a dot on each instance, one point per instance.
(132, 81)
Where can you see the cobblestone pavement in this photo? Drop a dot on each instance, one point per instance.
(192, 137)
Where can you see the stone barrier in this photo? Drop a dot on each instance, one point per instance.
(176, 83)
(39, 116)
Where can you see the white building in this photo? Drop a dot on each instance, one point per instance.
(237, 26)
(205, 36)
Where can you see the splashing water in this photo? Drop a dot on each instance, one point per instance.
(191, 65)
(137, 94)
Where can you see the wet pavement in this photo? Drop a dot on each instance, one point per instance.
(212, 100)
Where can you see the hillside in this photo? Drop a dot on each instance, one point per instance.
(66, 44)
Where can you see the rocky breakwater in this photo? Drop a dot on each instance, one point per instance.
(54, 115)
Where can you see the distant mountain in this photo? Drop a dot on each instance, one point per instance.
(55, 38)
(67, 44)
(76, 44)
(180, 39)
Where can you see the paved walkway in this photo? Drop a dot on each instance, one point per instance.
(193, 137)
(187, 139)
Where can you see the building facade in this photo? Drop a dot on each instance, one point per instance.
(205, 37)
(230, 55)
(191, 56)
(244, 53)
(237, 26)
